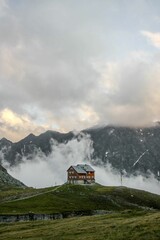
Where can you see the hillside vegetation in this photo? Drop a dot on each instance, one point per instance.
(77, 198)
(131, 214)
(117, 226)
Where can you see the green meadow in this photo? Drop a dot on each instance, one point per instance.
(132, 214)
(122, 225)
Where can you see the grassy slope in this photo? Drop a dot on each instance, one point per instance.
(11, 194)
(131, 225)
(75, 197)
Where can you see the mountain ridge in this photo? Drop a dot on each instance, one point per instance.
(119, 146)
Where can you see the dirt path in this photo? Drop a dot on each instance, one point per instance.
(34, 195)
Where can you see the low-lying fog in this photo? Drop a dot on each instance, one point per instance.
(47, 171)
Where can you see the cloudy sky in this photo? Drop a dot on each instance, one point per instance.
(69, 64)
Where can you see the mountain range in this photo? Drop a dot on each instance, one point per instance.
(129, 150)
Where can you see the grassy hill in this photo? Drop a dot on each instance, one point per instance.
(118, 226)
(76, 198)
(132, 214)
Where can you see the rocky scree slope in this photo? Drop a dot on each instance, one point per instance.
(6, 180)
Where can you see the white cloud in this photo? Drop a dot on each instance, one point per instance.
(47, 70)
(47, 171)
(14, 126)
(129, 91)
(153, 37)
(44, 171)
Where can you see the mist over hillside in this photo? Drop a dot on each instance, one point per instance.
(119, 146)
(120, 155)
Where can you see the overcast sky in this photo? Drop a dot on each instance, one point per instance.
(70, 64)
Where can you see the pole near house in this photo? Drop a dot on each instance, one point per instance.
(121, 170)
(121, 176)
(158, 176)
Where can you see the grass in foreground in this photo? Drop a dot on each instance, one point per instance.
(119, 226)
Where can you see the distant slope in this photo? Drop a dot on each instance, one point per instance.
(120, 146)
(6, 180)
(70, 198)
(123, 146)
(30, 145)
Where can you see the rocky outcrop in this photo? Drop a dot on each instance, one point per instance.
(33, 217)
(6, 180)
